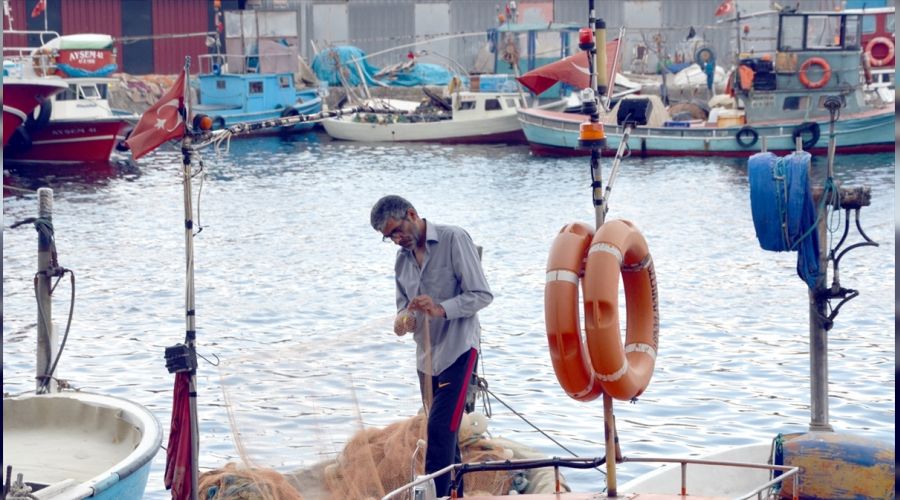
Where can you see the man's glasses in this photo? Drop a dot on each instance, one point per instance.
(395, 233)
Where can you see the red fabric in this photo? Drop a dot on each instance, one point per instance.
(725, 7)
(178, 453)
(572, 70)
(160, 123)
(39, 8)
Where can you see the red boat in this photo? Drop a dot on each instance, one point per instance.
(20, 98)
(76, 126)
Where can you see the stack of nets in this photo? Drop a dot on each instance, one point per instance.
(239, 483)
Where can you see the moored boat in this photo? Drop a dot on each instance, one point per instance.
(76, 126)
(21, 95)
(779, 100)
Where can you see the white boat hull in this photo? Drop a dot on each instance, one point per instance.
(504, 127)
(79, 445)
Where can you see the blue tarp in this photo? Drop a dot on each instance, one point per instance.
(325, 66)
(784, 214)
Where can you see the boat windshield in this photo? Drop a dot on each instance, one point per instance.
(819, 32)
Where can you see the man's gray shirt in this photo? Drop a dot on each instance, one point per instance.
(452, 276)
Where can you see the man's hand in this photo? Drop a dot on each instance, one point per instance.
(425, 304)
(404, 322)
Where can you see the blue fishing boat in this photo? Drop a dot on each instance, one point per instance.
(777, 99)
(246, 88)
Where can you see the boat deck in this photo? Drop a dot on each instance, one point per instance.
(598, 496)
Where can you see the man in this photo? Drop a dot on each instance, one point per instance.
(440, 289)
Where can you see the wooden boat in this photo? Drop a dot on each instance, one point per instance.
(781, 99)
(79, 445)
(468, 118)
(66, 444)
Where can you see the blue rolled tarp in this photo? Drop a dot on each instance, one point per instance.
(784, 215)
(328, 64)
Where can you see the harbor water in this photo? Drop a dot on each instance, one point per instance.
(295, 298)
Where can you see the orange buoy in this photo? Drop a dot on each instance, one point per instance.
(889, 54)
(804, 68)
(624, 370)
(565, 266)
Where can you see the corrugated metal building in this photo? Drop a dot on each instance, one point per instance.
(389, 29)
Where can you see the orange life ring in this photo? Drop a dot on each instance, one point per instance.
(826, 73)
(624, 370)
(880, 61)
(565, 266)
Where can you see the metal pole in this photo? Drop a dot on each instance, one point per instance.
(190, 335)
(46, 334)
(609, 432)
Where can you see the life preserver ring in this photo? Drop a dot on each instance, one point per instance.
(880, 40)
(43, 61)
(748, 131)
(565, 265)
(821, 82)
(814, 131)
(33, 123)
(624, 370)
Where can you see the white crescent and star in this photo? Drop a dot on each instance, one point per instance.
(161, 122)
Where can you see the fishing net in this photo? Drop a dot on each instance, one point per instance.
(232, 482)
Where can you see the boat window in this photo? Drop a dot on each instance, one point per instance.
(89, 92)
(284, 81)
(256, 87)
(823, 32)
(492, 105)
(103, 89)
(851, 32)
(467, 105)
(791, 33)
(795, 103)
(220, 84)
(868, 24)
(889, 23)
(70, 94)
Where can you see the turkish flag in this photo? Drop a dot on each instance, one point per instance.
(178, 453)
(161, 122)
(39, 8)
(725, 7)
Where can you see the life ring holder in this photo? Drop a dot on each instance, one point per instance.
(807, 64)
(880, 61)
(746, 131)
(624, 370)
(811, 127)
(565, 267)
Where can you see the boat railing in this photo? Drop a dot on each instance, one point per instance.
(238, 64)
(786, 471)
(31, 60)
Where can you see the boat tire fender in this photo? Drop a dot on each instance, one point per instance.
(122, 146)
(20, 140)
(565, 266)
(287, 113)
(218, 123)
(618, 248)
(700, 59)
(814, 131)
(804, 68)
(746, 137)
(33, 123)
(880, 40)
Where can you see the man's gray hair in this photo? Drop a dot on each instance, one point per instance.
(390, 206)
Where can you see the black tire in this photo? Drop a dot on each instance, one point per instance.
(814, 131)
(287, 113)
(218, 123)
(698, 56)
(122, 146)
(20, 140)
(746, 137)
(33, 123)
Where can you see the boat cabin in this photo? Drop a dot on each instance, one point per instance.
(818, 55)
(85, 98)
(481, 105)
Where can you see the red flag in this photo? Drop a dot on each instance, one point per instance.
(39, 8)
(161, 122)
(178, 453)
(572, 70)
(725, 7)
